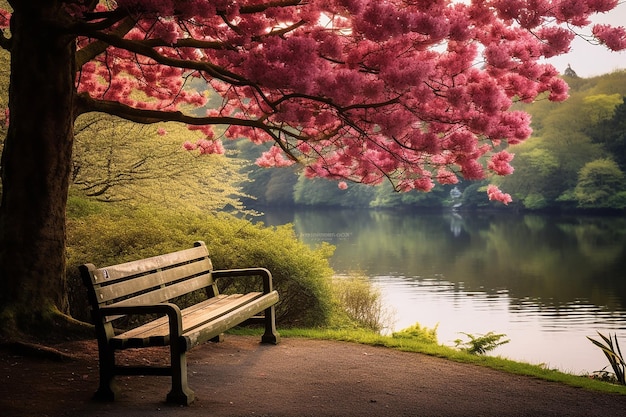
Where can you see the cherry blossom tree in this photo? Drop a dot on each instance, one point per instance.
(413, 92)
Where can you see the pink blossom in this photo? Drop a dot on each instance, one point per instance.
(499, 163)
(445, 176)
(190, 146)
(471, 169)
(558, 90)
(557, 40)
(423, 184)
(273, 158)
(613, 37)
(494, 193)
(161, 131)
(342, 185)
(602, 5)
(205, 146)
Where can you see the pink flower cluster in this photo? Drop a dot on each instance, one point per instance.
(205, 147)
(500, 163)
(613, 38)
(273, 158)
(494, 193)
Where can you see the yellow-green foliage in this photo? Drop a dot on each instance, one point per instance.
(105, 234)
(417, 333)
(116, 160)
(362, 302)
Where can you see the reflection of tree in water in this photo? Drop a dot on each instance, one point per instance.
(383, 242)
(540, 257)
(599, 239)
(552, 259)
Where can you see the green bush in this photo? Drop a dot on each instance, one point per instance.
(361, 302)
(107, 234)
(417, 332)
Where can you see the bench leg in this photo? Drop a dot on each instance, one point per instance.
(218, 339)
(270, 335)
(180, 393)
(107, 390)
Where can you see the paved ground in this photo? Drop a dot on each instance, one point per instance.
(298, 378)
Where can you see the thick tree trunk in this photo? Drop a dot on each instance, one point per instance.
(35, 168)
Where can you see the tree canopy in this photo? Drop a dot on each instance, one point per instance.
(410, 91)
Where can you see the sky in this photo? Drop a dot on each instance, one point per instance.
(592, 60)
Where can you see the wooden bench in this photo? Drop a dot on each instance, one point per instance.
(147, 287)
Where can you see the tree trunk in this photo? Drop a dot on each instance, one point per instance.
(35, 168)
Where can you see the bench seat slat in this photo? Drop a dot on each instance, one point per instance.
(197, 317)
(156, 332)
(229, 320)
(160, 325)
(109, 292)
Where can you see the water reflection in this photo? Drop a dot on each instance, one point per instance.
(545, 281)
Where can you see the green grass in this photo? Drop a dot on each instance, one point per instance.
(445, 352)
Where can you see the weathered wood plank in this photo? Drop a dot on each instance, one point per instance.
(196, 317)
(134, 268)
(193, 317)
(167, 293)
(160, 326)
(227, 321)
(154, 279)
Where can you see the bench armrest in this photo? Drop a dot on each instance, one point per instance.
(265, 274)
(171, 310)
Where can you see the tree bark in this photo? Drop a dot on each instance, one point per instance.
(35, 165)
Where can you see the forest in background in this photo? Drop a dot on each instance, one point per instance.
(575, 160)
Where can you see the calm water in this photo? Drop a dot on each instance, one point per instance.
(544, 281)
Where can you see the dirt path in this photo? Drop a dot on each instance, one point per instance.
(298, 377)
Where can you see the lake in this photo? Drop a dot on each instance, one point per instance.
(545, 281)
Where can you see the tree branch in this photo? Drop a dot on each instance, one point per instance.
(257, 8)
(87, 104)
(5, 43)
(142, 48)
(94, 49)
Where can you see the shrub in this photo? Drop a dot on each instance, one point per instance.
(120, 234)
(362, 302)
(417, 332)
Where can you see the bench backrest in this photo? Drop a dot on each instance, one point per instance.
(151, 280)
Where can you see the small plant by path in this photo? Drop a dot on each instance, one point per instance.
(611, 350)
(481, 344)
